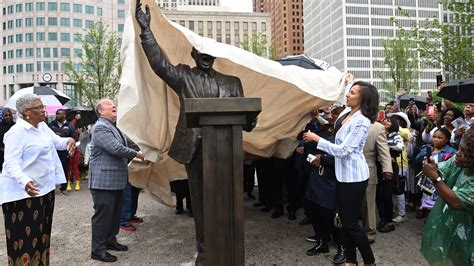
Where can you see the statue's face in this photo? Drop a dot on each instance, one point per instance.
(203, 61)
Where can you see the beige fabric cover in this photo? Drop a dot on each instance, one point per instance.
(148, 109)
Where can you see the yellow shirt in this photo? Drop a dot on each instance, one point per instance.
(405, 134)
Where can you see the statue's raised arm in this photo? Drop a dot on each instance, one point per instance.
(143, 18)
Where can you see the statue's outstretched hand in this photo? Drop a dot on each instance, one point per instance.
(143, 18)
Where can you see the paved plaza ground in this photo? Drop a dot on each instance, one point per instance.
(168, 239)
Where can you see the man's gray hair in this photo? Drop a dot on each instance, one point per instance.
(97, 108)
(26, 101)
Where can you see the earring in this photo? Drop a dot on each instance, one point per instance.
(27, 117)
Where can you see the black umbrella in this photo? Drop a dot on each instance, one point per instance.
(420, 101)
(459, 91)
(88, 116)
(299, 60)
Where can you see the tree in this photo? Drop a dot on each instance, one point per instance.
(98, 71)
(448, 43)
(259, 45)
(400, 57)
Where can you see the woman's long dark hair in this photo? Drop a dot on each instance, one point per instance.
(369, 100)
(394, 127)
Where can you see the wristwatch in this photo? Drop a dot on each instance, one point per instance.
(437, 180)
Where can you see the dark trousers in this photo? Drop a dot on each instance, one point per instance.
(181, 190)
(322, 220)
(65, 164)
(106, 218)
(349, 201)
(260, 169)
(249, 177)
(384, 199)
(195, 178)
(293, 185)
(130, 203)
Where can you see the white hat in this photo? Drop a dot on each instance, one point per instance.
(401, 115)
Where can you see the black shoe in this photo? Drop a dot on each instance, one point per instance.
(292, 216)
(277, 213)
(257, 204)
(104, 257)
(117, 247)
(190, 213)
(371, 241)
(250, 196)
(340, 257)
(388, 227)
(265, 209)
(318, 249)
(179, 210)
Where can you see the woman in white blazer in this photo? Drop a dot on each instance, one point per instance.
(352, 172)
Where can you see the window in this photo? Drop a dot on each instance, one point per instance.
(10, 24)
(209, 25)
(18, 8)
(120, 27)
(246, 26)
(77, 52)
(99, 11)
(65, 22)
(77, 23)
(254, 26)
(200, 25)
(121, 13)
(120, 2)
(182, 23)
(219, 37)
(19, 53)
(18, 23)
(29, 37)
(264, 26)
(227, 25)
(357, 10)
(40, 21)
(10, 54)
(46, 65)
(65, 37)
(227, 38)
(89, 24)
(89, 10)
(46, 52)
(29, 52)
(52, 36)
(28, 22)
(29, 7)
(52, 6)
(65, 52)
(55, 52)
(10, 69)
(29, 67)
(77, 8)
(236, 38)
(38, 65)
(77, 37)
(10, 9)
(55, 66)
(38, 52)
(52, 21)
(39, 6)
(191, 25)
(65, 7)
(236, 25)
(10, 39)
(19, 38)
(19, 68)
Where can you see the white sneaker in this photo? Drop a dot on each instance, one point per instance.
(399, 219)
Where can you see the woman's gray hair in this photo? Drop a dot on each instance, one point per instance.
(26, 101)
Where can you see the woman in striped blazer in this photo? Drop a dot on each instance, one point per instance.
(352, 172)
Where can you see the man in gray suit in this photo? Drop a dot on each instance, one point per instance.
(108, 176)
(198, 82)
(376, 148)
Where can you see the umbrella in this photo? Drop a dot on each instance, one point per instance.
(48, 96)
(299, 60)
(459, 91)
(420, 101)
(88, 116)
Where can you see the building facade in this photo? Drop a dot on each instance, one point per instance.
(349, 34)
(286, 23)
(38, 36)
(192, 5)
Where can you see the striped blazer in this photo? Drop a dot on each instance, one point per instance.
(348, 148)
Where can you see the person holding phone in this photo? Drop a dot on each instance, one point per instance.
(352, 171)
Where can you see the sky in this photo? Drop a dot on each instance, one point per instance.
(238, 5)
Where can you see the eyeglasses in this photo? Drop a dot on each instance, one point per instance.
(38, 108)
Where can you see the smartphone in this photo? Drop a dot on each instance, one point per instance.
(439, 79)
(381, 116)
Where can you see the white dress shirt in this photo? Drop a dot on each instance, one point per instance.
(30, 154)
(348, 148)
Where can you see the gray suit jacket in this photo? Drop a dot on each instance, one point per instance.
(186, 82)
(110, 155)
(376, 148)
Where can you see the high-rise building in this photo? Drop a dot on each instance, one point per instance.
(192, 5)
(287, 24)
(38, 36)
(349, 34)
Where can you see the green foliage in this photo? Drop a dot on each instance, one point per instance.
(400, 57)
(259, 45)
(98, 71)
(449, 45)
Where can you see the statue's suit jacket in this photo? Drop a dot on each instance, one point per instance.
(187, 83)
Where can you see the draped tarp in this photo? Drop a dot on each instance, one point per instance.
(148, 109)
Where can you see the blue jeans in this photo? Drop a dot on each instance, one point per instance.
(130, 203)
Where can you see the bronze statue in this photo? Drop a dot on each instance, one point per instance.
(197, 82)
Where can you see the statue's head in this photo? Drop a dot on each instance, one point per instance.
(203, 61)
